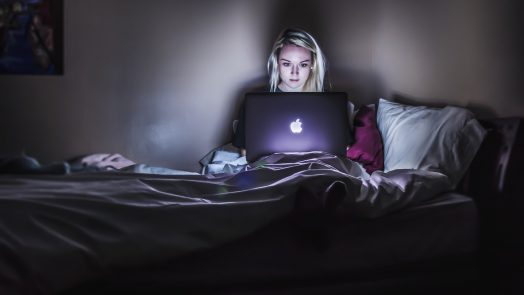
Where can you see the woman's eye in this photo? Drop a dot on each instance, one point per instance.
(285, 64)
(304, 65)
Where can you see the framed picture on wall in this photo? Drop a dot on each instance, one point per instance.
(31, 37)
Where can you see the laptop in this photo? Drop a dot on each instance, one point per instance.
(295, 122)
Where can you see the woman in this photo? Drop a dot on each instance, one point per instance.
(296, 64)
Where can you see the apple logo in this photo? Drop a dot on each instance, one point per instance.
(296, 126)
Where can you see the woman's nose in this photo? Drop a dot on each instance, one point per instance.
(294, 70)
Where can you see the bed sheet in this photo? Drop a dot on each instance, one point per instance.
(59, 231)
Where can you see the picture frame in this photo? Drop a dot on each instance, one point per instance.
(31, 37)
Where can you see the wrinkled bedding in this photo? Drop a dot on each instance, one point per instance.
(57, 231)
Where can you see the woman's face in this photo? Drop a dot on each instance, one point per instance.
(294, 66)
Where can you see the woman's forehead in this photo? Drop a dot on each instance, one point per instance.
(294, 52)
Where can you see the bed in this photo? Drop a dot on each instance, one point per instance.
(289, 223)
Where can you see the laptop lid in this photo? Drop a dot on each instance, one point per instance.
(295, 122)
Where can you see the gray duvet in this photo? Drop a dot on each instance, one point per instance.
(59, 231)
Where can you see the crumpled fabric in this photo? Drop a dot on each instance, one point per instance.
(223, 160)
(57, 232)
(102, 161)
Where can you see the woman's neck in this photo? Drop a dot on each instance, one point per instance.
(283, 88)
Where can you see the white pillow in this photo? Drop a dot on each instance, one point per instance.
(435, 139)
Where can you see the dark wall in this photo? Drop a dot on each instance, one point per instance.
(159, 81)
(465, 52)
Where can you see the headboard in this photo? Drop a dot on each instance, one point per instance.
(494, 171)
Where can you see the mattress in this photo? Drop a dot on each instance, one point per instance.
(439, 232)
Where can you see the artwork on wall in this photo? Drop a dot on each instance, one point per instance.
(31, 37)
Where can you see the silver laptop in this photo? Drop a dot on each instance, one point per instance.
(295, 122)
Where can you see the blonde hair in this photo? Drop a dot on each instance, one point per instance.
(298, 37)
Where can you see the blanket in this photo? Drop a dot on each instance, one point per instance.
(58, 231)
